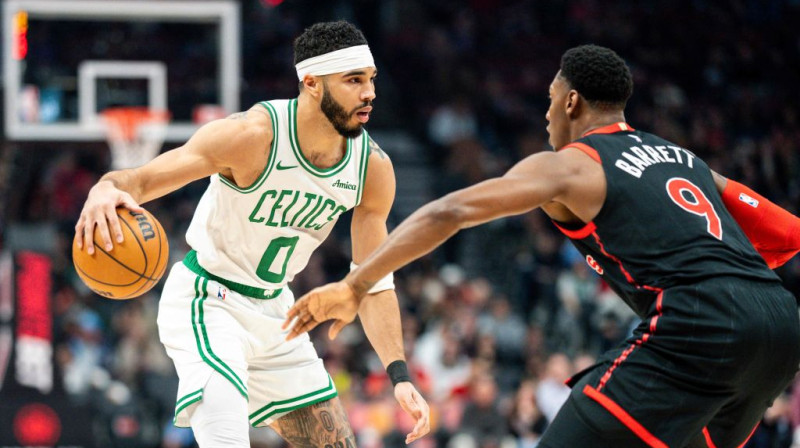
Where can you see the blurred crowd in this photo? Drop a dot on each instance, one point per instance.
(497, 319)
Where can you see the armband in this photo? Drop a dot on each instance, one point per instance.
(398, 372)
(384, 284)
(773, 231)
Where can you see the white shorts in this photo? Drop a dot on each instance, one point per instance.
(206, 328)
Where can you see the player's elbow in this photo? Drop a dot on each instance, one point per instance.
(448, 211)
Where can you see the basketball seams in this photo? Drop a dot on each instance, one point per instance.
(141, 246)
(150, 279)
(118, 285)
(81, 271)
(158, 238)
(141, 276)
(109, 280)
(144, 253)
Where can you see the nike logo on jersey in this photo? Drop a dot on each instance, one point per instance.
(346, 185)
(635, 137)
(283, 167)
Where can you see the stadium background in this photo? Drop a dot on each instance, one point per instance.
(497, 318)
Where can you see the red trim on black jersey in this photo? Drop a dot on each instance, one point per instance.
(583, 147)
(709, 442)
(626, 419)
(620, 359)
(578, 234)
(653, 320)
(639, 342)
(624, 271)
(612, 128)
(748, 437)
(627, 274)
(590, 229)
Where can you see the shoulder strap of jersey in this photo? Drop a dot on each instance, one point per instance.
(583, 147)
(270, 160)
(363, 165)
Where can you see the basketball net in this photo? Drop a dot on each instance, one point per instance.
(134, 134)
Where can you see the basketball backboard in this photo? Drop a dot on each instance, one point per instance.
(66, 61)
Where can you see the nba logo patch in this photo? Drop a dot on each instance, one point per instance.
(221, 293)
(748, 200)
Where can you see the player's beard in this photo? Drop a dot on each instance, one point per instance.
(338, 116)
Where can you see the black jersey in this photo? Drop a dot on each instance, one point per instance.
(663, 222)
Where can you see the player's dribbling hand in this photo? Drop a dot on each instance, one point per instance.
(412, 402)
(100, 210)
(333, 301)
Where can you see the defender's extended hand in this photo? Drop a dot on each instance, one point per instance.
(412, 402)
(335, 301)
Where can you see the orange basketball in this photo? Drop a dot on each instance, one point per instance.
(132, 267)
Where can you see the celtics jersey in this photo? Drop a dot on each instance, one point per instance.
(255, 239)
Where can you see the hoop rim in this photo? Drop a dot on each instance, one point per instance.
(128, 119)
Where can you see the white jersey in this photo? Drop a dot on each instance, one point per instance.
(256, 239)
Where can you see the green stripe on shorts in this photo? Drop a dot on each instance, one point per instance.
(186, 400)
(201, 337)
(276, 407)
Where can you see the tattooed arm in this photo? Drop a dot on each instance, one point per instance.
(321, 425)
(375, 149)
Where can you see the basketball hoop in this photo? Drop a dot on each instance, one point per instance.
(134, 134)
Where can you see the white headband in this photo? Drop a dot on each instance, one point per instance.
(336, 62)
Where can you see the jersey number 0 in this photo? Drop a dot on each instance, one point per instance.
(272, 267)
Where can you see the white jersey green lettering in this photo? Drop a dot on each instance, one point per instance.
(255, 239)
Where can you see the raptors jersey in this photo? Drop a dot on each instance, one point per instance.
(255, 239)
(663, 223)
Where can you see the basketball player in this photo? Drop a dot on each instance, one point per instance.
(281, 174)
(719, 337)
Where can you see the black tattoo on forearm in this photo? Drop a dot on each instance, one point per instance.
(321, 425)
(373, 147)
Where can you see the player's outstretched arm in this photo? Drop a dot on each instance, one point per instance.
(773, 231)
(531, 183)
(538, 179)
(226, 146)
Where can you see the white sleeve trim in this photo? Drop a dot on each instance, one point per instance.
(384, 284)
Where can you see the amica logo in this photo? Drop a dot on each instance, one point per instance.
(346, 185)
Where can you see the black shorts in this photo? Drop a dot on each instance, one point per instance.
(699, 371)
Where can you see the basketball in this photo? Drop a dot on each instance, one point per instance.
(132, 267)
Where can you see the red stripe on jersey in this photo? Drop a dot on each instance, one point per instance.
(621, 358)
(627, 274)
(654, 320)
(579, 234)
(626, 419)
(588, 150)
(617, 362)
(612, 128)
(709, 442)
(748, 437)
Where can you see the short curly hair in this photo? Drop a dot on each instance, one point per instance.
(325, 37)
(599, 75)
